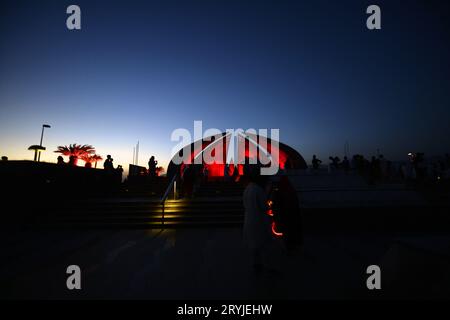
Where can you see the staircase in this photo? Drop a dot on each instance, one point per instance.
(146, 214)
(214, 204)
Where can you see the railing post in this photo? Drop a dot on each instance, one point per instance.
(166, 195)
(162, 217)
(175, 190)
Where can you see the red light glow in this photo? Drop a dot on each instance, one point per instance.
(274, 231)
(250, 153)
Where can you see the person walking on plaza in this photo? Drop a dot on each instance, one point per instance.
(257, 225)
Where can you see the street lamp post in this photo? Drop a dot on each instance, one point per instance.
(42, 137)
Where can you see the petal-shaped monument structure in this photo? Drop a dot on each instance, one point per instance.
(222, 154)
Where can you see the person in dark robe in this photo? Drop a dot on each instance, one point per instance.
(287, 215)
(152, 166)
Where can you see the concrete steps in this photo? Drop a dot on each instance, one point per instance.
(216, 203)
(146, 214)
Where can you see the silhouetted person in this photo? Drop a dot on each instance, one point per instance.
(316, 162)
(152, 166)
(374, 172)
(235, 176)
(119, 171)
(226, 172)
(72, 160)
(60, 160)
(205, 173)
(108, 164)
(346, 165)
(336, 162)
(358, 163)
(286, 210)
(257, 225)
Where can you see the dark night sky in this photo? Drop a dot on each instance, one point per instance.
(140, 69)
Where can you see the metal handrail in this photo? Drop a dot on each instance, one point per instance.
(174, 179)
(166, 195)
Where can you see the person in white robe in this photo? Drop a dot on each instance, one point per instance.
(257, 225)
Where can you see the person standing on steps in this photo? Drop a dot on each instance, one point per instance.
(152, 163)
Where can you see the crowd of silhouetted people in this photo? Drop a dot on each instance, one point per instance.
(379, 169)
(108, 164)
(191, 177)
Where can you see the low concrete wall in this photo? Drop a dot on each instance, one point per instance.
(27, 178)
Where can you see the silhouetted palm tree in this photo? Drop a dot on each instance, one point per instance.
(89, 159)
(75, 152)
(159, 171)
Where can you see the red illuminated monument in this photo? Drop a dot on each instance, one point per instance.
(254, 149)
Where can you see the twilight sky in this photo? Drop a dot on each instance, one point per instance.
(140, 69)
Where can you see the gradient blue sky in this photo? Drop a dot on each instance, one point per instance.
(140, 69)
